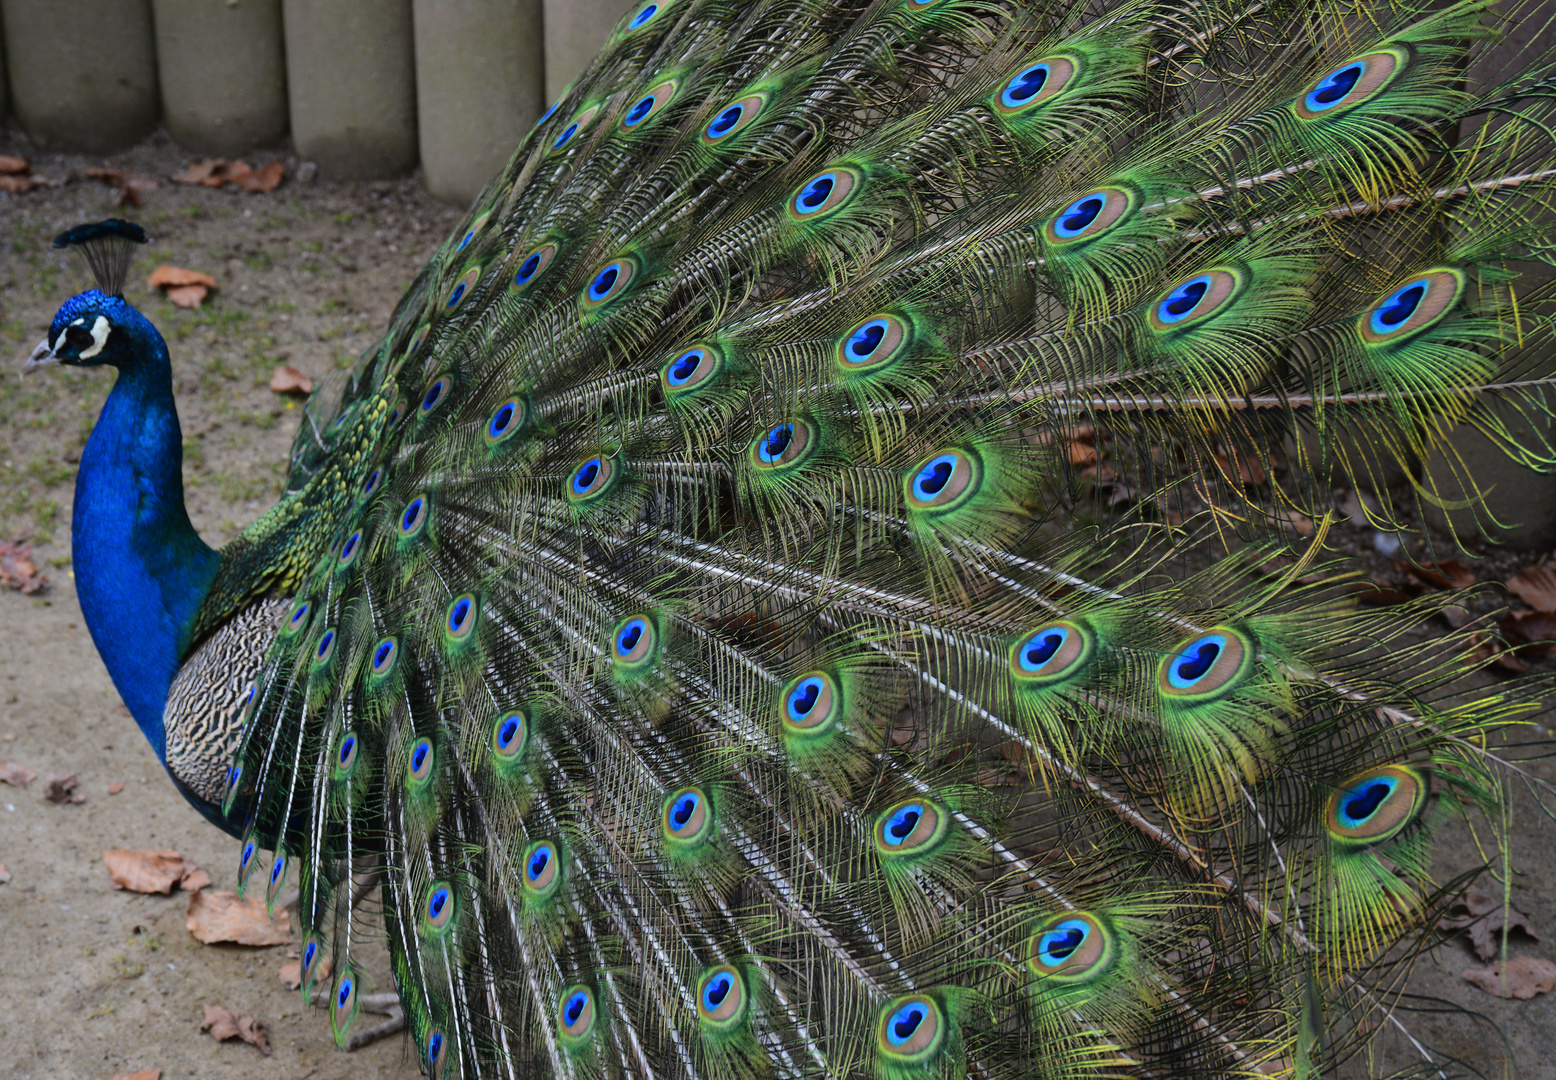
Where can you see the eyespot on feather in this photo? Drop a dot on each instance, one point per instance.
(435, 394)
(506, 421)
(413, 519)
(912, 1030)
(1376, 805)
(575, 1016)
(824, 194)
(1072, 947)
(1052, 654)
(297, 621)
(722, 1000)
(277, 879)
(418, 766)
(542, 869)
(467, 237)
(346, 755)
(343, 1004)
(510, 735)
(1033, 85)
(873, 345)
(643, 16)
(943, 482)
(692, 369)
(1419, 304)
(462, 288)
(580, 121)
(325, 648)
(534, 264)
(686, 818)
(811, 704)
(784, 446)
(438, 909)
(733, 119)
(384, 658)
(634, 646)
(911, 827)
(591, 480)
(1089, 216)
(608, 283)
(650, 104)
(1353, 83)
(461, 617)
(349, 550)
(437, 1054)
(1194, 298)
(1207, 666)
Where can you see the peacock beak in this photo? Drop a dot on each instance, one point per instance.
(42, 356)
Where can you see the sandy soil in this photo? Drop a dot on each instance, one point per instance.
(95, 981)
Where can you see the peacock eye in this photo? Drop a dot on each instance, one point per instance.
(824, 194)
(609, 282)
(78, 338)
(1089, 216)
(812, 704)
(1033, 85)
(1354, 82)
(872, 345)
(650, 104)
(784, 446)
(1208, 666)
(1051, 654)
(686, 818)
(575, 1015)
(1194, 298)
(733, 118)
(912, 1031)
(1074, 947)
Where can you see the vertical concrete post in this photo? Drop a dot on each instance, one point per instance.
(575, 30)
(83, 72)
(351, 84)
(5, 98)
(479, 80)
(223, 73)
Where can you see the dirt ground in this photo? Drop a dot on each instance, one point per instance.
(94, 981)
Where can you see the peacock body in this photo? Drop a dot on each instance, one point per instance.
(680, 634)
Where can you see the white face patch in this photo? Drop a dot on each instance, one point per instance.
(99, 337)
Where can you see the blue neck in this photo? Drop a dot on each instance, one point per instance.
(141, 570)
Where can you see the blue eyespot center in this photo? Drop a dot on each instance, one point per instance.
(411, 516)
(866, 340)
(434, 1047)
(1398, 307)
(933, 477)
(1334, 87)
(457, 295)
(575, 1007)
(248, 852)
(309, 953)
(717, 990)
(527, 270)
(345, 993)
(901, 824)
(600, 288)
(508, 732)
(384, 652)
(1042, 647)
(1025, 86)
(1059, 943)
(567, 133)
(458, 614)
(1184, 299)
(438, 902)
(643, 16)
(1079, 215)
(1364, 801)
(371, 483)
(325, 642)
(538, 861)
(434, 393)
(1197, 660)
(500, 420)
(904, 1022)
(802, 699)
(777, 442)
(300, 614)
(725, 121)
(815, 193)
(640, 110)
(275, 870)
(583, 479)
(685, 366)
(419, 757)
(628, 636)
(348, 747)
(350, 547)
(683, 809)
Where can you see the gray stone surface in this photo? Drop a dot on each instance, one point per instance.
(479, 80)
(83, 73)
(223, 73)
(1519, 499)
(5, 96)
(351, 86)
(575, 30)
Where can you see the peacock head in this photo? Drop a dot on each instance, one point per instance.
(91, 329)
(99, 326)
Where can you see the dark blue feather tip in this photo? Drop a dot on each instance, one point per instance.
(108, 247)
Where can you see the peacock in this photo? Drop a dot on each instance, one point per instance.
(686, 637)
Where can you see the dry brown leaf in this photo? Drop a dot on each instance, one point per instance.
(291, 974)
(1378, 594)
(1536, 587)
(1300, 523)
(194, 878)
(19, 185)
(16, 775)
(62, 789)
(1448, 574)
(288, 380)
(187, 296)
(130, 184)
(116, 787)
(143, 1074)
(17, 570)
(223, 1024)
(199, 172)
(1081, 454)
(1533, 631)
(265, 178)
(14, 165)
(145, 871)
(1483, 915)
(221, 916)
(168, 275)
(5, 875)
(1522, 977)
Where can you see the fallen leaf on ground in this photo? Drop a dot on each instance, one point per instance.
(17, 570)
(187, 296)
(1448, 574)
(1523, 978)
(19, 185)
(214, 172)
(291, 973)
(5, 875)
(62, 789)
(14, 165)
(146, 871)
(223, 1024)
(194, 878)
(16, 775)
(1535, 586)
(221, 916)
(144, 1074)
(129, 184)
(186, 288)
(1533, 631)
(288, 380)
(1483, 914)
(116, 787)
